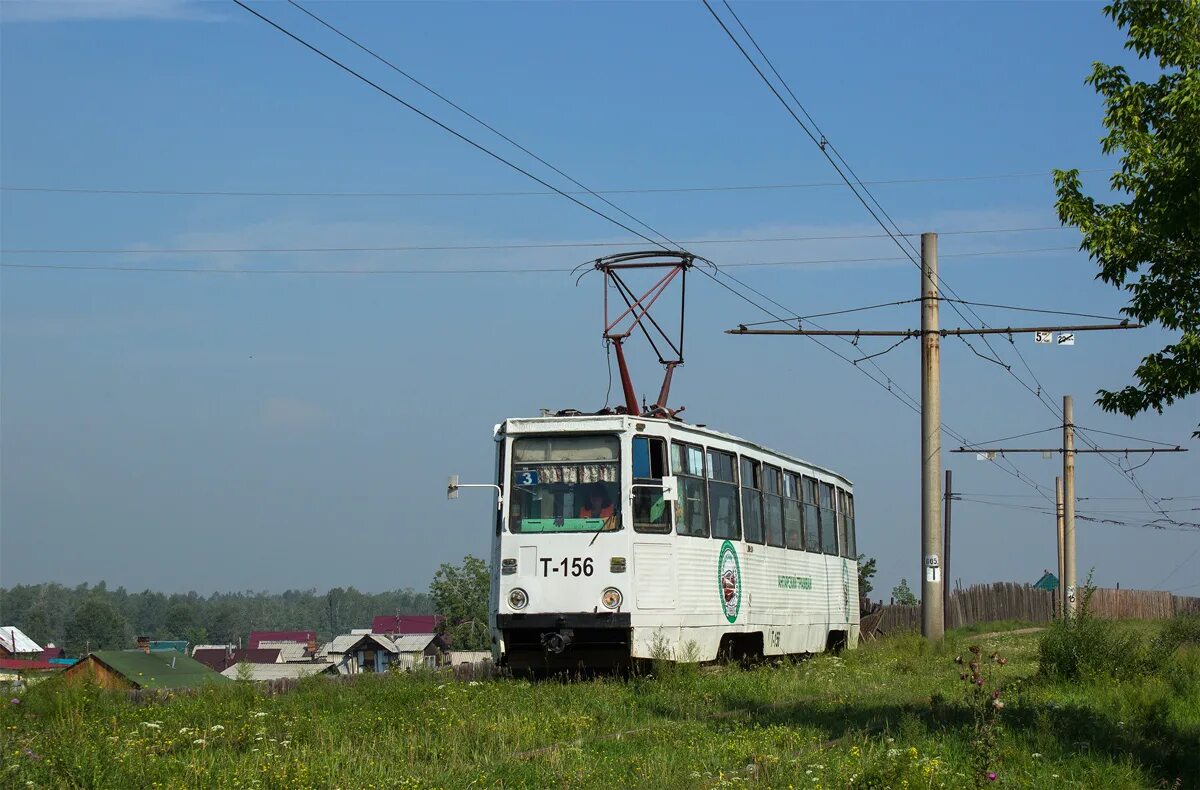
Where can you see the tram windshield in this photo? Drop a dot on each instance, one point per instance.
(565, 484)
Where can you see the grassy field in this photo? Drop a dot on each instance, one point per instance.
(892, 714)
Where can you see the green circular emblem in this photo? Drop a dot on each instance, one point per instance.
(729, 581)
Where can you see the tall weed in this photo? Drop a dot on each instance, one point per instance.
(1085, 647)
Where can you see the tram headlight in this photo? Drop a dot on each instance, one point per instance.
(611, 598)
(518, 598)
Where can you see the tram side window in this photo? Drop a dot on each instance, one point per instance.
(793, 526)
(650, 511)
(691, 512)
(773, 505)
(851, 538)
(812, 517)
(829, 543)
(722, 495)
(843, 524)
(752, 500)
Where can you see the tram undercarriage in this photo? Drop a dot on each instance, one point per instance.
(551, 642)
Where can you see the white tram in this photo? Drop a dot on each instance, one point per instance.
(624, 537)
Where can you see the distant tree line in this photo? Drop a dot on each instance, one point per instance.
(94, 617)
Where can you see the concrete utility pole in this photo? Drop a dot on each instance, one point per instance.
(933, 567)
(1058, 543)
(947, 496)
(933, 624)
(1069, 504)
(1065, 492)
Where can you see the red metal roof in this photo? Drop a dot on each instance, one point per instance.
(24, 663)
(303, 637)
(406, 624)
(219, 660)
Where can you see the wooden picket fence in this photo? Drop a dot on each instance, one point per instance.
(983, 603)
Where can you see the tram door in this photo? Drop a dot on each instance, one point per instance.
(653, 548)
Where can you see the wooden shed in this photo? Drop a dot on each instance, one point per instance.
(135, 669)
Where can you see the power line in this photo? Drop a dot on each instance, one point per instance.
(194, 270)
(476, 118)
(1079, 499)
(821, 143)
(228, 270)
(265, 193)
(446, 128)
(496, 246)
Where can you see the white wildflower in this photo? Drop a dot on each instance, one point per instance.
(284, 743)
(153, 725)
(1036, 755)
(259, 714)
(216, 728)
(198, 742)
(893, 752)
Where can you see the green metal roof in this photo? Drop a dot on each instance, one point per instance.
(166, 669)
(169, 644)
(1048, 582)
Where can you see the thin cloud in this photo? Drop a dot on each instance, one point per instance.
(104, 10)
(289, 413)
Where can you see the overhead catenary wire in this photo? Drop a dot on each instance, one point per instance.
(1092, 517)
(893, 388)
(833, 312)
(1036, 310)
(477, 119)
(1126, 436)
(825, 147)
(1017, 436)
(445, 127)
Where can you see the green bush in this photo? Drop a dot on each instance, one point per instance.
(1084, 647)
(1182, 629)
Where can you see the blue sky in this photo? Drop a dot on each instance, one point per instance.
(249, 431)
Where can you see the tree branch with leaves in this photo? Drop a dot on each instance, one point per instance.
(1149, 245)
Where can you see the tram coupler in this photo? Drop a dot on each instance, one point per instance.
(557, 641)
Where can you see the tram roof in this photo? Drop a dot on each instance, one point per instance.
(625, 422)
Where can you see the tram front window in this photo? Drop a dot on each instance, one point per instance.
(565, 484)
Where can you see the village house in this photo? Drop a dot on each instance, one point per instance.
(279, 671)
(363, 651)
(137, 669)
(291, 652)
(299, 637)
(220, 659)
(14, 644)
(22, 671)
(393, 625)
